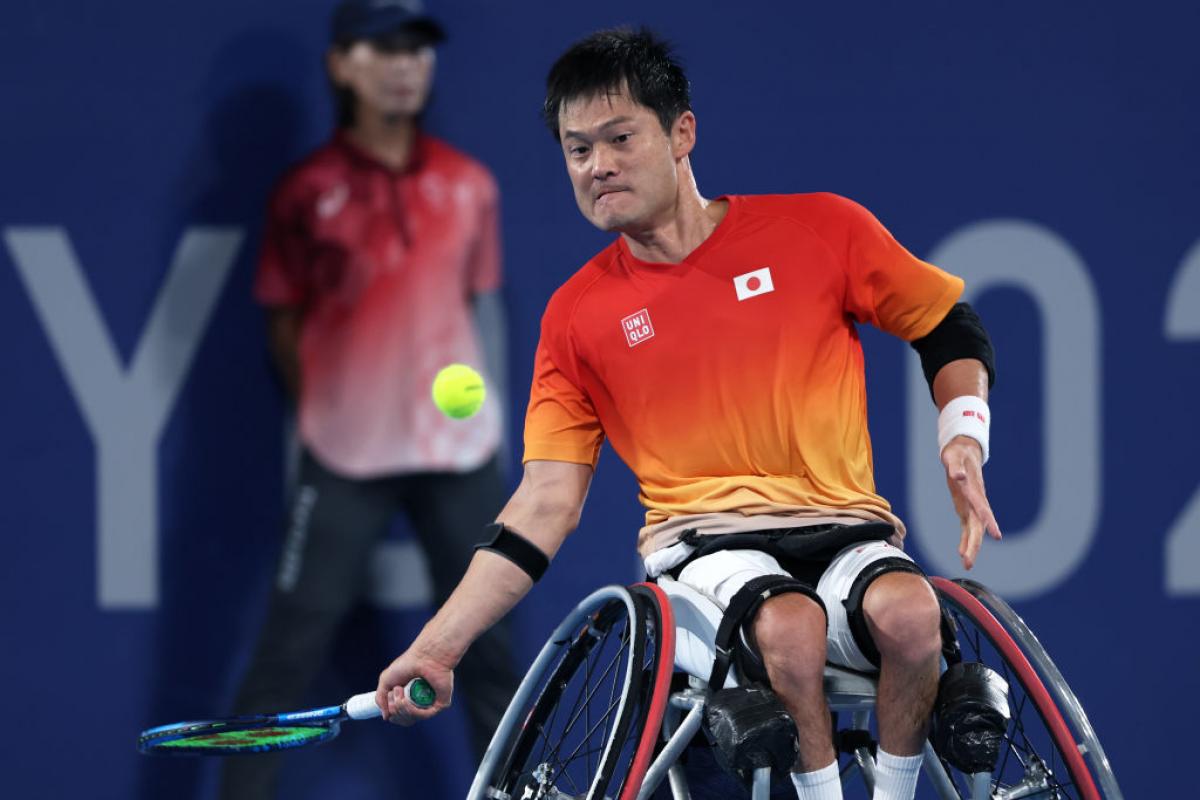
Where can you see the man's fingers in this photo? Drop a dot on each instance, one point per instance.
(972, 538)
(981, 508)
(992, 527)
(971, 487)
(965, 481)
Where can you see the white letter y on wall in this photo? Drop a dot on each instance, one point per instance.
(125, 410)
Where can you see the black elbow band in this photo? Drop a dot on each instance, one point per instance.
(960, 335)
(516, 548)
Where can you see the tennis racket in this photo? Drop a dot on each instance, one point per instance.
(261, 733)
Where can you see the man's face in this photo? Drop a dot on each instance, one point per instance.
(621, 163)
(390, 78)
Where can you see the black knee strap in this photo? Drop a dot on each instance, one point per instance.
(858, 590)
(742, 608)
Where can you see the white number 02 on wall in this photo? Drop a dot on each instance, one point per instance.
(1182, 322)
(1029, 257)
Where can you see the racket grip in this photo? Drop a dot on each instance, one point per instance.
(362, 706)
(420, 693)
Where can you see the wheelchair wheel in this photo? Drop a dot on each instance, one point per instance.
(1048, 733)
(577, 726)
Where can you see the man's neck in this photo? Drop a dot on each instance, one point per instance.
(684, 227)
(386, 139)
(693, 220)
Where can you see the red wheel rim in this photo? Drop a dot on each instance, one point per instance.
(1033, 685)
(660, 694)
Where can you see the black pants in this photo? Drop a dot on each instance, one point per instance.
(333, 527)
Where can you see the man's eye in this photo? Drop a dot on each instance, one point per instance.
(578, 150)
(622, 138)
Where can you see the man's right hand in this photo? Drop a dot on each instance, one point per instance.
(544, 509)
(413, 664)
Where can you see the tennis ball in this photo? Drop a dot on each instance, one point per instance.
(458, 391)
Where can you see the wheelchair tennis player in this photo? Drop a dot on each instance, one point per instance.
(714, 344)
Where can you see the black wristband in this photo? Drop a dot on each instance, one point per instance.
(516, 548)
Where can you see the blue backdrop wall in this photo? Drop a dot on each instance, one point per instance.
(1047, 152)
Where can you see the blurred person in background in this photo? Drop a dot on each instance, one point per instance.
(380, 265)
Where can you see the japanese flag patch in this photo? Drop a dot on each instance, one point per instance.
(753, 284)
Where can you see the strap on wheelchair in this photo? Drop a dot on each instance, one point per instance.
(741, 609)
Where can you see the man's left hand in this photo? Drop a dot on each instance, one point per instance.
(963, 460)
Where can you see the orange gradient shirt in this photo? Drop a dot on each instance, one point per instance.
(733, 381)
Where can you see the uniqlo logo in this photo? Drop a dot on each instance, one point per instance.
(637, 327)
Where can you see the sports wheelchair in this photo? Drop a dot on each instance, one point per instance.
(603, 713)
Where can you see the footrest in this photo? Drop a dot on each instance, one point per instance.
(850, 741)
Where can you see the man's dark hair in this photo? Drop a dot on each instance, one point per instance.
(615, 60)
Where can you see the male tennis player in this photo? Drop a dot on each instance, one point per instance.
(714, 345)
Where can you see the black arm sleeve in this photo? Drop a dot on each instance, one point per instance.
(960, 335)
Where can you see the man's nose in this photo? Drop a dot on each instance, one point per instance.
(604, 163)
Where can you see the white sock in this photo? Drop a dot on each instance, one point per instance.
(896, 776)
(824, 784)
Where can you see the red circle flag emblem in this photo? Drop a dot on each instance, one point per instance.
(752, 284)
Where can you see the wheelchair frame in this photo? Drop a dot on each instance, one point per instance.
(682, 624)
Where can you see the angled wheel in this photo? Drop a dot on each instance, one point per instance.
(1048, 734)
(575, 727)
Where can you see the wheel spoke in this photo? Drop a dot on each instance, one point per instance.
(1031, 763)
(592, 683)
(586, 697)
(588, 737)
(585, 717)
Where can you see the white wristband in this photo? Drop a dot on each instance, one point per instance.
(967, 415)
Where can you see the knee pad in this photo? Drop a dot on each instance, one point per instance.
(970, 717)
(858, 590)
(750, 728)
(745, 648)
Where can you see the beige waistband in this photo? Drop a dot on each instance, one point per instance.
(658, 537)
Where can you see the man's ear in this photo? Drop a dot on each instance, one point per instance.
(335, 64)
(683, 134)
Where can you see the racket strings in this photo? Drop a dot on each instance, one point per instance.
(235, 740)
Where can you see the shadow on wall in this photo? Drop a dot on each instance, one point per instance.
(221, 491)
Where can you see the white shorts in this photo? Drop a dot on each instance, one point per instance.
(720, 575)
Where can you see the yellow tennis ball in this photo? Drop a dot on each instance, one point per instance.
(458, 391)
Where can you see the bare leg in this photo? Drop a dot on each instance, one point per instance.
(790, 633)
(903, 617)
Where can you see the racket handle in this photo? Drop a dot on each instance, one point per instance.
(420, 693)
(362, 706)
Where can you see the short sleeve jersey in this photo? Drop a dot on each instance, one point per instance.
(733, 381)
(382, 264)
